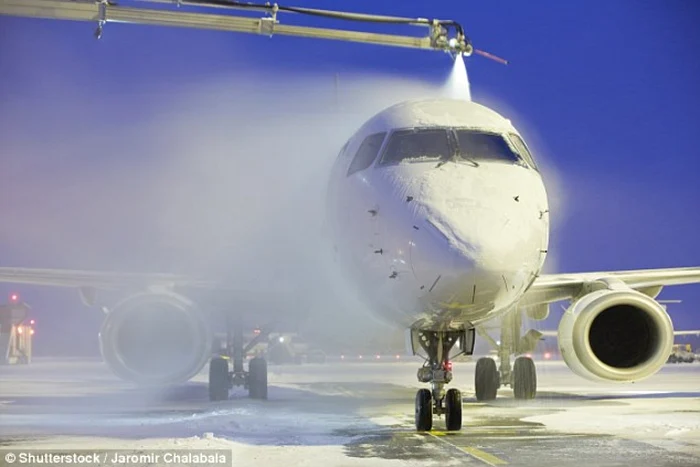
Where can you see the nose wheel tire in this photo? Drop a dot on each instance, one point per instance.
(218, 379)
(524, 378)
(453, 410)
(424, 410)
(257, 378)
(486, 379)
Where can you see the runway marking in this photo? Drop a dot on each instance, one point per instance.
(559, 436)
(483, 456)
(472, 451)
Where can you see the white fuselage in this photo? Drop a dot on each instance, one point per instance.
(433, 243)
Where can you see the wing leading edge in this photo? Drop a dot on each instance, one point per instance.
(549, 288)
(98, 279)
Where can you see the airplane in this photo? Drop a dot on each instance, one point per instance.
(440, 218)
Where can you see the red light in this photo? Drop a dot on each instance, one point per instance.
(547, 355)
(528, 355)
(256, 331)
(14, 298)
(448, 365)
(32, 322)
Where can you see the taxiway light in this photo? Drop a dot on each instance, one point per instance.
(32, 322)
(14, 298)
(547, 355)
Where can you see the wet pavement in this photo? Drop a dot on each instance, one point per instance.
(366, 412)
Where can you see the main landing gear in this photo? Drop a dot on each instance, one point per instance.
(522, 376)
(437, 371)
(221, 379)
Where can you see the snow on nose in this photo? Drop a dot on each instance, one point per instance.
(485, 214)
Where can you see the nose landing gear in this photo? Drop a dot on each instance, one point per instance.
(437, 371)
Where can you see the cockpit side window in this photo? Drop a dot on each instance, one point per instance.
(480, 146)
(417, 145)
(522, 149)
(366, 153)
(342, 150)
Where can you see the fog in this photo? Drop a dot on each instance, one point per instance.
(223, 178)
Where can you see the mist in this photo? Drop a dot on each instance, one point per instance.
(220, 179)
(457, 85)
(223, 178)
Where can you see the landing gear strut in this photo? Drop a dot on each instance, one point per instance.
(437, 371)
(221, 380)
(522, 376)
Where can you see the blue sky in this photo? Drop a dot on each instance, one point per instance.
(606, 93)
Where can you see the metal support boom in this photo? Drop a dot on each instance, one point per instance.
(102, 12)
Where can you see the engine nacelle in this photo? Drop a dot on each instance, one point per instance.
(156, 339)
(615, 335)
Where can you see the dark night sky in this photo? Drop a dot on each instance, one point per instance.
(606, 93)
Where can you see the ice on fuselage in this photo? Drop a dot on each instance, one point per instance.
(459, 199)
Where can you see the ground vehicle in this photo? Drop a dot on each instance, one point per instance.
(681, 354)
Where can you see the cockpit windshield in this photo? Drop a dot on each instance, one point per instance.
(417, 145)
(455, 144)
(522, 149)
(478, 146)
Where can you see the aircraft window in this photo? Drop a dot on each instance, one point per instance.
(366, 153)
(342, 150)
(479, 146)
(522, 149)
(417, 146)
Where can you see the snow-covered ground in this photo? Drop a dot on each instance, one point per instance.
(319, 414)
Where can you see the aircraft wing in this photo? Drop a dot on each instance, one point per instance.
(97, 279)
(554, 287)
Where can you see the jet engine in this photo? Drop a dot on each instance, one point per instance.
(615, 334)
(156, 338)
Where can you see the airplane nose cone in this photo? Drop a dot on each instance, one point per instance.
(478, 229)
(486, 235)
(491, 214)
